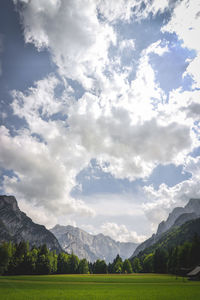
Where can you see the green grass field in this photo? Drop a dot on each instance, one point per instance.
(104, 287)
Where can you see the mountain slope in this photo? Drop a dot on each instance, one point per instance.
(193, 206)
(91, 247)
(178, 216)
(175, 236)
(16, 226)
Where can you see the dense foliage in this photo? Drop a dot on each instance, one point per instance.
(173, 260)
(19, 259)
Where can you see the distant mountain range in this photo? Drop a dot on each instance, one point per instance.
(178, 217)
(91, 247)
(16, 226)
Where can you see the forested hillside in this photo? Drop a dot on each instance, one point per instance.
(176, 250)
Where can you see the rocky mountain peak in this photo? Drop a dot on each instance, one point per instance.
(177, 217)
(8, 202)
(16, 226)
(184, 218)
(193, 206)
(165, 225)
(91, 247)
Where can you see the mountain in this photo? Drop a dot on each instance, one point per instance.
(193, 206)
(91, 247)
(177, 217)
(175, 236)
(16, 226)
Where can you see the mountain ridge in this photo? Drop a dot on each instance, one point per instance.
(177, 217)
(91, 247)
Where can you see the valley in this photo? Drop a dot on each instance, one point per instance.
(90, 287)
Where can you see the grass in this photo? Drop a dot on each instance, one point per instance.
(98, 287)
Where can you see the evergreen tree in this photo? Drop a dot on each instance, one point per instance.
(91, 267)
(83, 267)
(127, 268)
(148, 263)
(160, 261)
(73, 264)
(137, 268)
(116, 266)
(4, 258)
(43, 250)
(195, 251)
(184, 255)
(173, 261)
(43, 265)
(63, 263)
(100, 267)
(53, 262)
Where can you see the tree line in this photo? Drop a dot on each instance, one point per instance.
(20, 259)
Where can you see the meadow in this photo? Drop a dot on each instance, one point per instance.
(98, 287)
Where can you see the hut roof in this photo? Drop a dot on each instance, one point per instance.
(194, 272)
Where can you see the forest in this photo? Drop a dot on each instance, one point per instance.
(21, 259)
(173, 260)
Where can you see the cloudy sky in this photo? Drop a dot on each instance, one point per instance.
(100, 111)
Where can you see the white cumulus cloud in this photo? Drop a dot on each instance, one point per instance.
(185, 22)
(71, 31)
(121, 233)
(162, 201)
(40, 177)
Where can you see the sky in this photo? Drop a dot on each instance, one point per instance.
(100, 111)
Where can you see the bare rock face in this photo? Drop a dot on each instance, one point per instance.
(165, 225)
(91, 247)
(192, 207)
(177, 217)
(185, 218)
(16, 226)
